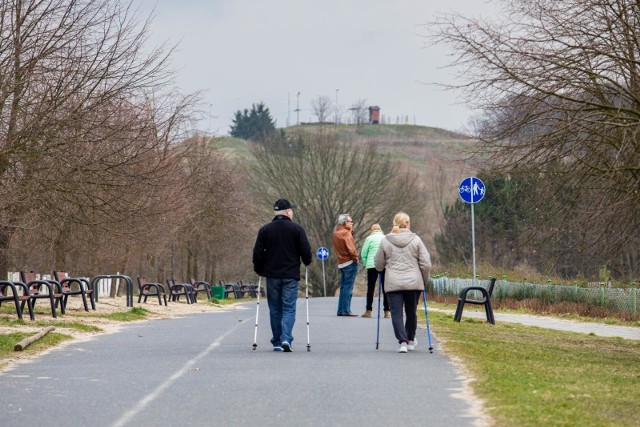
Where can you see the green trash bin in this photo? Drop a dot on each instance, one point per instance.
(217, 292)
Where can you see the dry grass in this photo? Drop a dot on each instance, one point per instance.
(559, 309)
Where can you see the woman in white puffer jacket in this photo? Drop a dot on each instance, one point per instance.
(407, 263)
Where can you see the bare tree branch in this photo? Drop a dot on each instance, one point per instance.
(559, 82)
(326, 177)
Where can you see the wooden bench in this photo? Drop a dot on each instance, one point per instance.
(201, 286)
(151, 289)
(35, 290)
(248, 289)
(178, 289)
(231, 288)
(17, 298)
(75, 286)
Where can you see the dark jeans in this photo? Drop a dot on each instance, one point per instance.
(372, 278)
(282, 296)
(347, 279)
(399, 302)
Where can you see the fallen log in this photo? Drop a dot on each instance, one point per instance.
(33, 338)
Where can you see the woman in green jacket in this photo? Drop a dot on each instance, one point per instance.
(368, 254)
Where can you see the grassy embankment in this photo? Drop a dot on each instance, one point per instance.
(530, 376)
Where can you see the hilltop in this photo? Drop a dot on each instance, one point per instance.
(420, 146)
(437, 155)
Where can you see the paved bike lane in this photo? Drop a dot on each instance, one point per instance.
(201, 370)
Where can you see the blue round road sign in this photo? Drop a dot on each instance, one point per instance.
(471, 190)
(322, 253)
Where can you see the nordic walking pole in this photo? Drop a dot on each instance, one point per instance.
(379, 292)
(306, 286)
(426, 316)
(255, 334)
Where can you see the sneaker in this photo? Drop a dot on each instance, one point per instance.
(286, 347)
(277, 348)
(411, 345)
(403, 347)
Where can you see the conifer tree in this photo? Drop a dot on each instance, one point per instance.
(255, 124)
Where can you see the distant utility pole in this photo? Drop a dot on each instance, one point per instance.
(288, 108)
(337, 105)
(209, 127)
(297, 110)
(356, 115)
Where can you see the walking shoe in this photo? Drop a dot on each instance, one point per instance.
(286, 347)
(277, 348)
(387, 314)
(403, 347)
(366, 314)
(411, 345)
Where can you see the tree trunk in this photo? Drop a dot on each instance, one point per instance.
(5, 238)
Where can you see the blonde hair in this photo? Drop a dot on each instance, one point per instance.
(375, 227)
(401, 220)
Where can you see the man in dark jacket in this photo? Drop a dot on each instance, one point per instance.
(280, 246)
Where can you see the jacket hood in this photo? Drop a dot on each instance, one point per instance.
(401, 239)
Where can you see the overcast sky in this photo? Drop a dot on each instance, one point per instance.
(241, 52)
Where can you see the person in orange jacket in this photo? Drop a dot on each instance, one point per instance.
(344, 246)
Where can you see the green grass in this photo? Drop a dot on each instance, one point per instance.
(8, 321)
(131, 315)
(79, 326)
(229, 301)
(532, 377)
(8, 341)
(15, 322)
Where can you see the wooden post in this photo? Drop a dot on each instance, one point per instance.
(30, 340)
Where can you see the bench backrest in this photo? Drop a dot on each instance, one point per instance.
(27, 276)
(60, 275)
(492, 284)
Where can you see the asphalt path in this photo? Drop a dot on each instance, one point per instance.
(600, 329)
(201, 370)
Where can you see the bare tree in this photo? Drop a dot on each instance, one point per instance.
(86, 116)
(326, 177)
(359, 112)
(321, 107)
(220, 213)
(560, 85)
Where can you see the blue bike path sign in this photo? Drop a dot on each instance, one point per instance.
(322, 253)
(471, 190)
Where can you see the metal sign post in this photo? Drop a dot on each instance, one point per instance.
(323, 253)
(471, 191)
